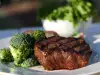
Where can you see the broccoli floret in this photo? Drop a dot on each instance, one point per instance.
(17, 64)
(28, 63)
(5, 55)
(36, 34)
(39, 35)
(21, 46)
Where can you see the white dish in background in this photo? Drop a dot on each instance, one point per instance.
(62, 27)
(65, 28)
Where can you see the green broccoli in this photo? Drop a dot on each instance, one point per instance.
(5, 55)
(28, 63)
(36, 34)
(39, 35)
(21, 46)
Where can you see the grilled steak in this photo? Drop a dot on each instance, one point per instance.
(55, 53)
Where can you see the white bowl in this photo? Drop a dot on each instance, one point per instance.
(63, 27)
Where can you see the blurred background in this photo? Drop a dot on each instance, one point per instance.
(22, 13)
(16, 14)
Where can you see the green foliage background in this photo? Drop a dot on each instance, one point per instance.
(72, 10)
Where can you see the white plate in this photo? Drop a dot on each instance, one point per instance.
(92, 38)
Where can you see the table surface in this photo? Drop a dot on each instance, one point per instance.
(10, 32)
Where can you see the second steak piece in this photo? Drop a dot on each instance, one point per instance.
(57, 53)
